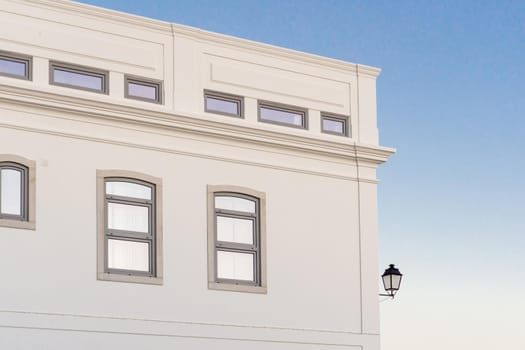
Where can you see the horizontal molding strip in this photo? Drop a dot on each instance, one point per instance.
(182, 329)
(199, 155)
(195, 124)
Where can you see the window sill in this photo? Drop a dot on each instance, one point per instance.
(113, 277)
(237, 288)
(27, 225)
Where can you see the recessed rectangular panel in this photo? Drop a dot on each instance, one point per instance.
(128, 217)
(335, 126)
(11, 192)
(13, 67)
(141, 52)
(282, 116)
(128, 189)
(143, 91)
(79, 79)
(223, 105)
(322, 87)
(234, 204)
(234, 230)
(128, 255)
(235, 266)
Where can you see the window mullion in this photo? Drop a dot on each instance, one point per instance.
(237, 213)
(236, 246)
(128, 234)
(115, 198)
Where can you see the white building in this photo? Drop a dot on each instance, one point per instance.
(164, 187)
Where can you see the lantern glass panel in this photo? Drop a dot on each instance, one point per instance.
(387, 282)
(396, 281)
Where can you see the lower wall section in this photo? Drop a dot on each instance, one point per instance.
(31, 330)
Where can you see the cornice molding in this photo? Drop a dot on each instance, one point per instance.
(103, 14)
(368, 71)
(253, 46)
(187, 123)
(174, 29)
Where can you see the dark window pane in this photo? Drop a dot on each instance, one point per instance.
(333, 125)
(78, 79)
(136, 89)
(282, 116)
(13, 67)
(214, 104)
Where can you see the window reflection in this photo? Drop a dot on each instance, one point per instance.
(12, 67)
(148, 92)
(282, 116)
(78, 79)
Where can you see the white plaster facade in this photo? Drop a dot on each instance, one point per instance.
(321, 220)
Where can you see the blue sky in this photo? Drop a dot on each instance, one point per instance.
(451, 99)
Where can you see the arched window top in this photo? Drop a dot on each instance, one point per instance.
(128, 187)
(235, 202)
(13, 165)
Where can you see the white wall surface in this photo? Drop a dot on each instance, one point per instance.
(320, 189)
(312, 239)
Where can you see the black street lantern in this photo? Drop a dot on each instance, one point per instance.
(391, 281)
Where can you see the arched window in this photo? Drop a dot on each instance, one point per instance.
(17, 192)
(129, 231)
(236, 239)
(13, 191)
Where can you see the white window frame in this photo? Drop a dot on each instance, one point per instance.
(28, 196)
(103, 272)
(260, 285)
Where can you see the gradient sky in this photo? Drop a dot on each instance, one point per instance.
(451, 99)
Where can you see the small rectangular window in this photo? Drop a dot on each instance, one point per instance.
(336, 125)
(143, 89)
(284, 115)
(226, 104)
(83, 78)
(15, 65)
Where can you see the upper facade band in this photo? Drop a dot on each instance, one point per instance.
(188, 72)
